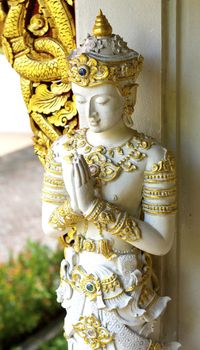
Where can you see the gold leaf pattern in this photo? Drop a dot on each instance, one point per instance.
(61, 117)
(45, 101)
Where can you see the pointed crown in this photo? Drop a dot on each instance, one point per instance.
(102, 27)
(103, 58)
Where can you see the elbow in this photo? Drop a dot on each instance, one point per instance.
(49, 231)
(166, 247)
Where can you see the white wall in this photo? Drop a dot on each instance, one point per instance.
(166, 33)
(139, 23)
(189, 155)
(13, 112)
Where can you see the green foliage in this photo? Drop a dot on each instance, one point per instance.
(27, 292)
(58, 343)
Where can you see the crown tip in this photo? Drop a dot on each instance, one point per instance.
(102, 27)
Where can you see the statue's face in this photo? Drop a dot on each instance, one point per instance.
(101, 106)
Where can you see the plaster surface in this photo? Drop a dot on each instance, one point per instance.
(139, 23)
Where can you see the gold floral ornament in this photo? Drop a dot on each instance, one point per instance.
(86, 71)
(93, 333)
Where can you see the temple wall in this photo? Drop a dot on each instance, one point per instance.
(166, 33)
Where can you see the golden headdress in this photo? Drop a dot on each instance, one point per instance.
(103, 58)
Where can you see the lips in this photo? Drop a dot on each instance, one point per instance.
(94, 122)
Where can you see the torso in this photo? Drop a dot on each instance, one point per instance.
(120, 184)
(133, 299)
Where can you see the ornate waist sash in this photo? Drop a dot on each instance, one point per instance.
(102, 246)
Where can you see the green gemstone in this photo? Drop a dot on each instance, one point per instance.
(90, 287)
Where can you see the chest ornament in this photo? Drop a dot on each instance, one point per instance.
(106, 164)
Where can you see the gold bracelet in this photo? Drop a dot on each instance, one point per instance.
(108, 217)
(53, 197)
(53, 182)
(64, 217)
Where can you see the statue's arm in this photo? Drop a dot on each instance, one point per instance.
(155, 233)
(57, 215)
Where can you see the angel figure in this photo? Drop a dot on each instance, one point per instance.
(110, 195)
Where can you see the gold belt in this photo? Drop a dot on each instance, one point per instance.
(101, 246)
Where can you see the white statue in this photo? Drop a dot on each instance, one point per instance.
(97, 184)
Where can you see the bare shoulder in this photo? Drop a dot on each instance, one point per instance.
(59, 146)
(155, 152)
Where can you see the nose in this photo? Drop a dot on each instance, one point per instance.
(91, 112)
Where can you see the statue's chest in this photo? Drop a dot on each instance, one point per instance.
(125, 190)
(117, 179)
(117, 171)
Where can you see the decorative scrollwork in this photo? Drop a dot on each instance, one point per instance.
(37, 37)
(93, 333)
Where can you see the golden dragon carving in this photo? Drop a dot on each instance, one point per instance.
(37, 37)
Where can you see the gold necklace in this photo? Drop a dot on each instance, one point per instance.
(100, 159)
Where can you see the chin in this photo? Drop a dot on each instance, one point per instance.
(96, 129)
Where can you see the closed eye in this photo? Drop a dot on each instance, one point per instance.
(102, 100)
(80, 99)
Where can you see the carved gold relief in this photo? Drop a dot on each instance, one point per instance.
(37, 37)
(93, 333)
(3, 13)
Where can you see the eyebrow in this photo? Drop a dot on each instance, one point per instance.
(98, 95)
(79, 95)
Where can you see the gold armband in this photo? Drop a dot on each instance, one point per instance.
(63, 217)
(162, 172)
(53, 190)
(110, 218)
(159, 190)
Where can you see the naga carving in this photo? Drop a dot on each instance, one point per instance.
(37, 37)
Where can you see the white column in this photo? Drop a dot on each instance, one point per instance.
(14, 115)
